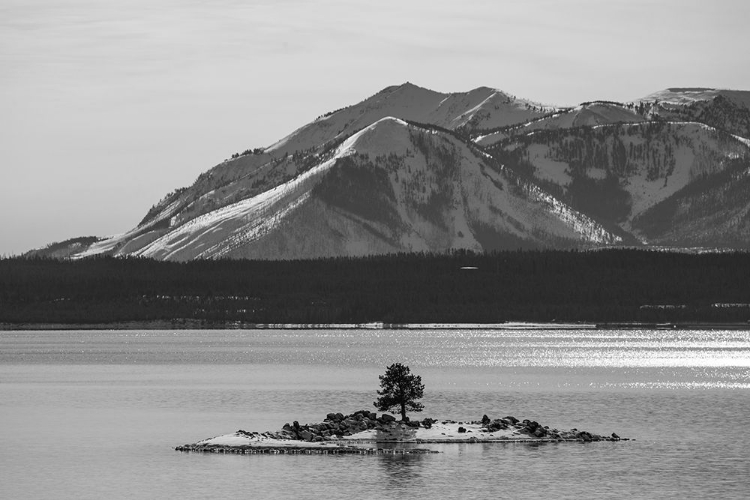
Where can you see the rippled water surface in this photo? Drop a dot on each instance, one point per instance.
(96, 414)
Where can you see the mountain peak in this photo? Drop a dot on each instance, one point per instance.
(409, 89)
(387, 134)
(488, 91)
(409, 85)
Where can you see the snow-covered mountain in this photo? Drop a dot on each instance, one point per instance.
(410, 169)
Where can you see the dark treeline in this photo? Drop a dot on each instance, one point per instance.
(596, 286)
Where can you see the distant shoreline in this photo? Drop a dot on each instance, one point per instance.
(234, 325)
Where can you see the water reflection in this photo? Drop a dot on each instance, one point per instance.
(401, 471)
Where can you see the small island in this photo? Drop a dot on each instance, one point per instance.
(363, 431)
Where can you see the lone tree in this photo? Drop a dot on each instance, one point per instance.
(400, 390)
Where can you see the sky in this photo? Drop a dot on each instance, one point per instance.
(107, 106)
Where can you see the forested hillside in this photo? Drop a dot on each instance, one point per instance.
(594, 286)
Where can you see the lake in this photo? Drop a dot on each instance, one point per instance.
(97, 414)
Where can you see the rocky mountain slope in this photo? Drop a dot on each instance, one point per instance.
(410, 169)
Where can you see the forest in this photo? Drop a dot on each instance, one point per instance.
(601, 286)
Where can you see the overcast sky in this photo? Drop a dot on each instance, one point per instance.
(108, 105)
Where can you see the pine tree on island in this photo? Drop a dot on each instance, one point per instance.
(400, 390)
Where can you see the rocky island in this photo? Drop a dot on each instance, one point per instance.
(400, 390)
(364, 432)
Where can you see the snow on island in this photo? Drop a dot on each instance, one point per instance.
(358, 432)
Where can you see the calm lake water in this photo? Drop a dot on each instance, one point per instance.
(96, 414)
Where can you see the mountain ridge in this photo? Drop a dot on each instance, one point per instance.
(471, 170)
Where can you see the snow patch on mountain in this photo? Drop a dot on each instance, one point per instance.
(252, 231)
(585, 115)
(221, 231)
(687, 96)
(548, 168)
(682, 95)
(590, 230)
(695, 149)
(386, 134)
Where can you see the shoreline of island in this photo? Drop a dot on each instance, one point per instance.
(366, 432)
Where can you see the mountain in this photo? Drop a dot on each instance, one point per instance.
(410, 169)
